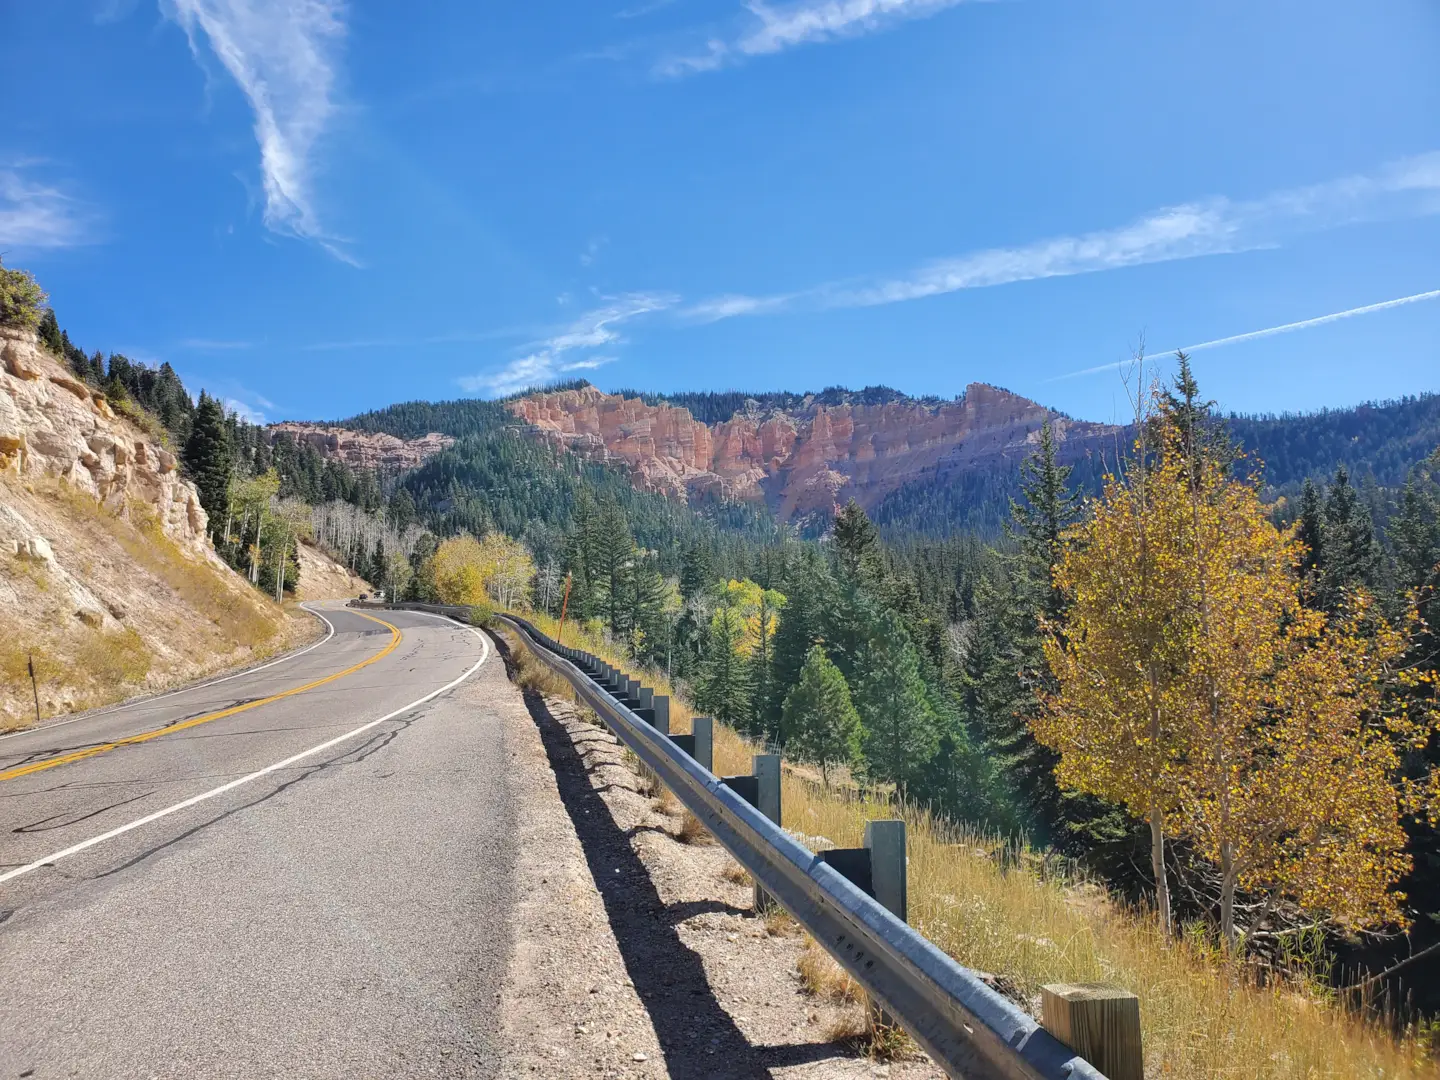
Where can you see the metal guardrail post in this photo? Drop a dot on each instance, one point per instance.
(766, 770)
(661, 704)
(703, 728)
(888, 866)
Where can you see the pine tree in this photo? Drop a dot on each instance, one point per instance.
(611, 559)
(1310, 531)
(819, 716)
(809, 589)
(1037, 523)
(901, 734)
(1351, 555)
(208, 459)
(1004, 670)
(855, 541)
(49, 331)
(697, 571)
(724, 690)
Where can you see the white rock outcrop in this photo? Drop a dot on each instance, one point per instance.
(53, 424)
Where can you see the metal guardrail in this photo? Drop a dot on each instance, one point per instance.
(966, 1027)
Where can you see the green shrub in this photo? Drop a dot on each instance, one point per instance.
(21, 300)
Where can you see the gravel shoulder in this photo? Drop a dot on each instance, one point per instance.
(636, 954)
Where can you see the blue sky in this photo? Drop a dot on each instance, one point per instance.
(314, 207)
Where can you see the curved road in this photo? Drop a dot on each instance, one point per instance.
(297, 871)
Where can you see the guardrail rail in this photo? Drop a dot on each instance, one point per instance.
(968, 1028)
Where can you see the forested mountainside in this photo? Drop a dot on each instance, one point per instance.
(918, 465)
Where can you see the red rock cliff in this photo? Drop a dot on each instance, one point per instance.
(802, 462)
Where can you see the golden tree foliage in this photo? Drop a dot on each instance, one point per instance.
(459, 569)
(508, 569)
(468, 571)
(1196, 689)
(759, 610)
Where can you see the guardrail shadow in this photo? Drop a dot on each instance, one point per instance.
(698, 1038)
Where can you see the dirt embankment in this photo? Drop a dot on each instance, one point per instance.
(108, 582)
(322, 578)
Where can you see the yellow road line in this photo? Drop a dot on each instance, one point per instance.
(65, 759)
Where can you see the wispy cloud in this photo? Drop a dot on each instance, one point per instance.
(547, 359)
(245, 412)
(775, 28)
(283, 55)
(461, 337)
(39, 215)
(1269, 331)
(592, 250)
(1215, 226)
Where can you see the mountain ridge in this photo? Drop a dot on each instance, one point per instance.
(803, 458)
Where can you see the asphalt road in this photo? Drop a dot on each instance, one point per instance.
(300, 871)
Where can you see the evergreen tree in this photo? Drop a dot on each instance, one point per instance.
(697, 571)
(855, 541)
(901, 734)
(49, 332)
(819, 716)
(1004, 668)
(611, 558)
(809, 589)
(207, 457)
(1048, 508)
(1351, 555)
(1310, 531)
(724, 691)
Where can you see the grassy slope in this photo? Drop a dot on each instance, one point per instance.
(178, 617)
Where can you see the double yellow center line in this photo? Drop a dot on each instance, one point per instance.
(146, 736)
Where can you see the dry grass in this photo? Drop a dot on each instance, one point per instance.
(115, 658)
(824, 979)
(692, 832)
(780, 923)
(1016, 917)
(737, 874)
(241, 616)
(666, 803)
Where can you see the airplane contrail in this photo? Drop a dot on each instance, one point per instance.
(1303, 324)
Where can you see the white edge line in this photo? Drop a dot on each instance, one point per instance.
(183, 689)
(75, 849)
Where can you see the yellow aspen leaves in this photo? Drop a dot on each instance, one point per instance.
(1197, 690)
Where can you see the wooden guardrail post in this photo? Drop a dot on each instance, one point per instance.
(1100, 1023)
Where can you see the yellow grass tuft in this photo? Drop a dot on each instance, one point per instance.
(691, 831)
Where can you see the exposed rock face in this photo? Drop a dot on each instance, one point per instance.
(363, 449)
(804, 462)
(53, 424)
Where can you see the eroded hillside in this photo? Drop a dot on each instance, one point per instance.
(107, 578)
(804, 460)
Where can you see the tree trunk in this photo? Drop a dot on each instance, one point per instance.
(1157, 864)
(1227, 898)
(280, 574)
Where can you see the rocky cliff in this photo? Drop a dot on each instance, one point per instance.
(363, 449)
(803, 461)
(52, 424)
(108, 582)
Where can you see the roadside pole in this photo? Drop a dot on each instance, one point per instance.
(34, 687)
